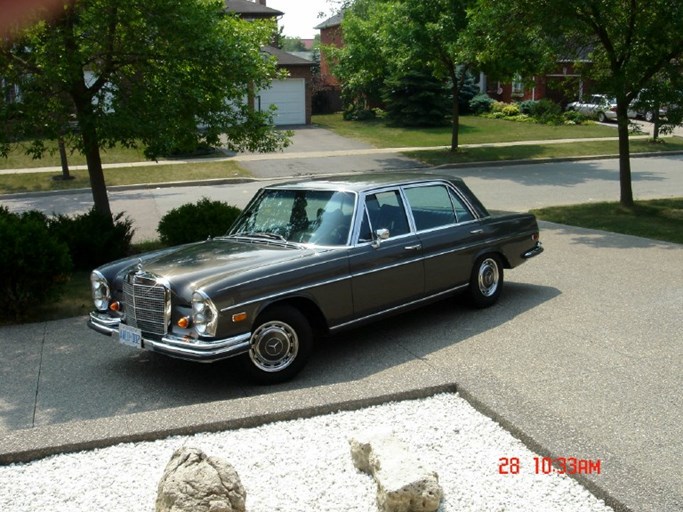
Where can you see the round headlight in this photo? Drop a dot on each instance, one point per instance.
(101, 295)
(204, 314)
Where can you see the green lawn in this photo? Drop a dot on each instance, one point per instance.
(154, 173)
(473, 130)
(659, 219)
(18, 159)
(538, 151)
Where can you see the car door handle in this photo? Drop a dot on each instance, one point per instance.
(415, 247)
(476, 231)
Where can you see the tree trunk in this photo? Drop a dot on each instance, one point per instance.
(92, 157)
(455, 123)
(655, 122)
(63, 159)
(626, 196)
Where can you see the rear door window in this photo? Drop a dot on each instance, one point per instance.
(431, 206)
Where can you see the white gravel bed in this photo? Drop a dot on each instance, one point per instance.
(305, 465)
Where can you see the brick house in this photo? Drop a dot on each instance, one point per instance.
(292, 95)
(330, 35)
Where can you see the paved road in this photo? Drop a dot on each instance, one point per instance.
(581, 358)
(505, 187)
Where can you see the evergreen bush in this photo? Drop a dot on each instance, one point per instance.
(481, 104)
(416, 98)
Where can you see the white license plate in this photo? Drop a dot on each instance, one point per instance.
(131, 336)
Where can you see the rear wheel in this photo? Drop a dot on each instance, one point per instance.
(602, 117)
(486, 281)
(281, 343)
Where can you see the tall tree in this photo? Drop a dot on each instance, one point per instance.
(629, 43)
(385, 38)
(434, 32)
(364, 61)
(161, 73)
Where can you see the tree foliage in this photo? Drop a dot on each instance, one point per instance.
(161, 73)
(384, 39)
(631, 46)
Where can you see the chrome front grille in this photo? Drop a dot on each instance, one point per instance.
(146, 303)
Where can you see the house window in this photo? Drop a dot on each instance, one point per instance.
(517, 86)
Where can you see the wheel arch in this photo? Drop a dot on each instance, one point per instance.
(497, 251)
(305, 306)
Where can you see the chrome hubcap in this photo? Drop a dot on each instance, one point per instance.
(489, 277)
(274, 346)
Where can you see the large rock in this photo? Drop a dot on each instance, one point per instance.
(195, 482)
(404, 483)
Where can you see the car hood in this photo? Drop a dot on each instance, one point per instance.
(189, 267)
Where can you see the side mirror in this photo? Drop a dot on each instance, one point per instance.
(380, 234)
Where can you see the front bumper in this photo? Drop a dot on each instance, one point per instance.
(178, 346)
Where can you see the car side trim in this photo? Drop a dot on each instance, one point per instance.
(398, 308)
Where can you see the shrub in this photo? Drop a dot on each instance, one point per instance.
(498, 106)
(36, 262)
(527, 106)
(546, 111)
(573, 117)
(358, 113)
(481, 104)
(511, 109)
(194, 222)
(92, 239)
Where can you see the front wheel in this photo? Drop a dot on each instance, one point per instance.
(280, 345)
(486, 281)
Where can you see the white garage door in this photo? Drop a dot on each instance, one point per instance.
(289, 96)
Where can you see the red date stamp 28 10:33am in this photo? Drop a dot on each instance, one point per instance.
(548, 465)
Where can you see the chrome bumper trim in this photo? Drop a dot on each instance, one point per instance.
(179, 347)
(538, 249)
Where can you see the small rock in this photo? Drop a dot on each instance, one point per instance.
(404, 483)
(195, 482)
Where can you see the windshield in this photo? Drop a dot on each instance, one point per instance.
(302, 216)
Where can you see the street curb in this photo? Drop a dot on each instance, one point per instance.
(237, 181)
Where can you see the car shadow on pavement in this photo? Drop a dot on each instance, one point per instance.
(82, 375)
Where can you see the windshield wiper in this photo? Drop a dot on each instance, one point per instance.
(269, 236)
(265, 236)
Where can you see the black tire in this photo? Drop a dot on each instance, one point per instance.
(486, 281)
(281, 342)
(602, 118)
(649, 116)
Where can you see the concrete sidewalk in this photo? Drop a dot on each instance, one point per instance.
(308, 153)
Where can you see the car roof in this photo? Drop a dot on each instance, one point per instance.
(360, 182)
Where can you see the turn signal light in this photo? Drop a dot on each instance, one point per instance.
(115, 306)
(184, 322)
(239, 317)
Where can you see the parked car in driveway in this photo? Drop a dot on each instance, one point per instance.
(596, 105)
(599, 106)
(308, 258)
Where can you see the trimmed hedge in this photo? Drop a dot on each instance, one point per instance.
(34, 260)
(195, 222)
(92, 239)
